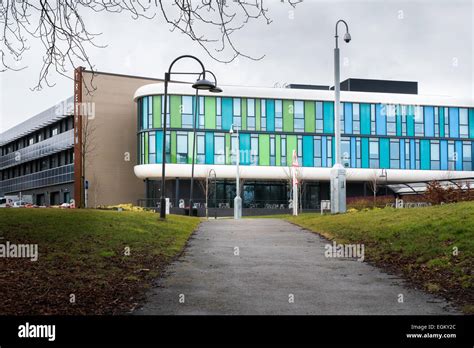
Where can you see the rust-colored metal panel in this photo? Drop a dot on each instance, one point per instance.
(78, 137)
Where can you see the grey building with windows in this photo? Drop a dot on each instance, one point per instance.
(37, 156)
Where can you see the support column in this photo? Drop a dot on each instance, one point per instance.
(176, 199)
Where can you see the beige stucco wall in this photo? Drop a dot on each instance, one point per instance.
(112, 152)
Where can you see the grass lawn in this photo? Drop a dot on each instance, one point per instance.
(416, 243)
(83, 253)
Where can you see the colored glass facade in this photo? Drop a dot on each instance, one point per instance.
(374, 135)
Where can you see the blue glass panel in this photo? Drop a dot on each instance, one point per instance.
(412, 154)
(453, 122)
(209, 148)
(308, 151)
(444, 155)
(245, 153)
(381, 119)
(353, 153)
(159, 147)
(227, 114)
(348, 118)
(458, 145)
(144, 112)
(402, 153)
(270, 115)
(429, 121)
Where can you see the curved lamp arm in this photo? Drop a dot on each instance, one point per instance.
(209, 72)
(168, 74)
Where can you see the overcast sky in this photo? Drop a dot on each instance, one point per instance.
(426, 41)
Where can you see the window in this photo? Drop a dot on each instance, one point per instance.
(278, 115)
(31, 141)
(463, 123)
(54, 131)
(168, 121)
(435, 158)
(182, 148)
(419, 128)
(403, 109)
(219, 149)
(446, 122)
(355, 119)
(391, 119)
(152, 148)
(329, 152)
(254, 149)
(237, 120)
(200, 151)
(233, 149)
(218, 113)
(452, 156)
(201, 113)
(317, 152)
(395, 154)
(374, 153)
(298, 116)
(436, 121)
(319, 117)
(346, 152)
(272, 150)
(372, 119)
(187, 112)
(466, 155)
(251, 114)
(263, 115)
(358, 154)
(417, 154)
(283, 150)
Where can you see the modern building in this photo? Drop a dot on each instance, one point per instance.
(107, 140)
(387, 137)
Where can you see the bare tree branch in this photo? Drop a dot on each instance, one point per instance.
(59, 26)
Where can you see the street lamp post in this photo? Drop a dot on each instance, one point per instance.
(215, 89)
(199, 84)
(237, 199)
(338, 172)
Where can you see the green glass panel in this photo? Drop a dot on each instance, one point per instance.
(264, 149)
(288, 114)
(365, 119)
(175, 111)
(173, 145)
(190, 146)
(157, 111)
(210, 112)
(278, 150)
(243, 108)
(146, 148)
(291, 144)
(309, 116)
(258, 114)
(328, 116)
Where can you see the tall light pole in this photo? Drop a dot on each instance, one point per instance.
(199, 84)
(215, 89)
(237, 199)
(338, 172)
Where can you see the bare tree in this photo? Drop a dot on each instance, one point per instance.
(60, 27)
(373, 184)
(88, 144)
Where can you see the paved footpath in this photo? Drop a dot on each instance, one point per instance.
(277, 262)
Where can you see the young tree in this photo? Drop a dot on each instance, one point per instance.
(373, 184)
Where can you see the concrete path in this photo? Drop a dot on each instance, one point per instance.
(277, 262)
